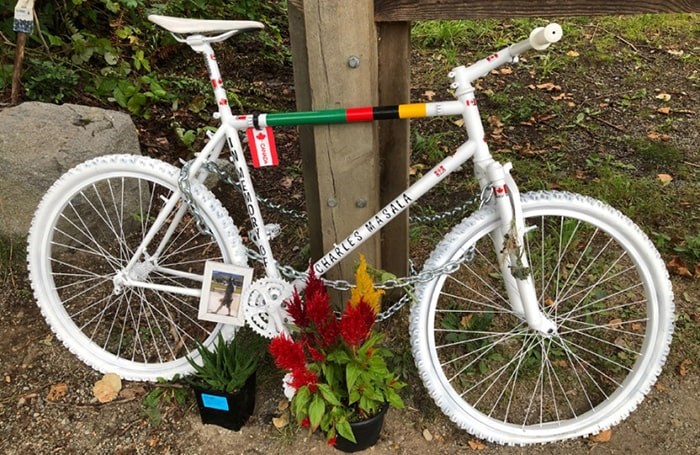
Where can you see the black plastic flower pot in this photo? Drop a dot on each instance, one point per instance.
(366, 433)
(228, 410)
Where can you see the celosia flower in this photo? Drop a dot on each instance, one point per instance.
(316, 355)
(287, 353)
(304, 377)
(297, 310)
(356, 323)
(314, 284)
(329, 331)
(364, 289)
(305, 422)
(332, 441)
(318, 308)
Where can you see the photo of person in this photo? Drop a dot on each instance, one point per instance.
(222, 290)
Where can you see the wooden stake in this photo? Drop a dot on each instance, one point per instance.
(19, 58)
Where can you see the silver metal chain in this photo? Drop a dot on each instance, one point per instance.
(185, 185)
(406, 283)
(227, 177)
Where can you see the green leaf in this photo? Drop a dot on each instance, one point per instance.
(119, 96)
(352, 372)
(338, 356)
(354, 396)
(394, 399)
(344, 429)
(316, 410)
(328, 394)
(301, 400)
(136, 102)
(110, 58)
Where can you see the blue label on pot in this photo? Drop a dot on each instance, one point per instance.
(214, 402)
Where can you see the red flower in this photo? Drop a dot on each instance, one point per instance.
(356, 323)
(314, 284)
(318, 308)
(316, 355)
(329, 331)
(304, 377)
(305, 422)
(331, 441)
(297, 310)
(288, 354)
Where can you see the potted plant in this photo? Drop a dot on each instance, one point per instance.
(224, 379)
(337, 374)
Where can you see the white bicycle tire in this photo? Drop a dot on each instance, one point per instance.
(95, 172)
(475, 418)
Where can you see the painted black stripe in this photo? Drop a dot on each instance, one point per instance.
(385, 112)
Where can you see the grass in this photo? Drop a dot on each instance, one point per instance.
(580, 151)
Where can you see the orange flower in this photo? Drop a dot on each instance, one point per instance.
(365, 289)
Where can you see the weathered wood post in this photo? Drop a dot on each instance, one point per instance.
(334, 47)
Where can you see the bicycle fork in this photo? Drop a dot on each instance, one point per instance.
(509, 242)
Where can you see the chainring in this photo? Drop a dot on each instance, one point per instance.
(263, 306)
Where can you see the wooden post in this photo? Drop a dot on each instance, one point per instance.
(394, 138)
(334, 48)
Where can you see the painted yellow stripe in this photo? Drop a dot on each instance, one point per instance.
(416, 110)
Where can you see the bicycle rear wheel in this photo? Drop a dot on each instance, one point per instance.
(87, 228)
(598, 278)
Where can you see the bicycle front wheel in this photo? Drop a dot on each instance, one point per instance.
(597, 276)
(86, 230)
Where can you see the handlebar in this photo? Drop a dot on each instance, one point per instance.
(542, 37)
(539, 39)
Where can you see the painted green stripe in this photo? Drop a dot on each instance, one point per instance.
(306, 118)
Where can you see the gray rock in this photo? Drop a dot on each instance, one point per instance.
(39, 142)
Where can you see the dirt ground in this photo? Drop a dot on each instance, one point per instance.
(36, 419)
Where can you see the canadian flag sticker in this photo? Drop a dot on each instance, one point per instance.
(262, 147)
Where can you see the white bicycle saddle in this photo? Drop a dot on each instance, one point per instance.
(187, 26)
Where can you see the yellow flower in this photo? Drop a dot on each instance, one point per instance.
(365, 288)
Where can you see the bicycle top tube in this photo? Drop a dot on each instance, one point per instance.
(350, 115)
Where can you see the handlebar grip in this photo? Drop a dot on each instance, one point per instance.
(542, 37)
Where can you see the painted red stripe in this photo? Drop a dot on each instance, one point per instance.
(359, 114)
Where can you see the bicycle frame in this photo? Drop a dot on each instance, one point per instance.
(492, 175)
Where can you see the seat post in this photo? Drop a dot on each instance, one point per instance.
(199, 44)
